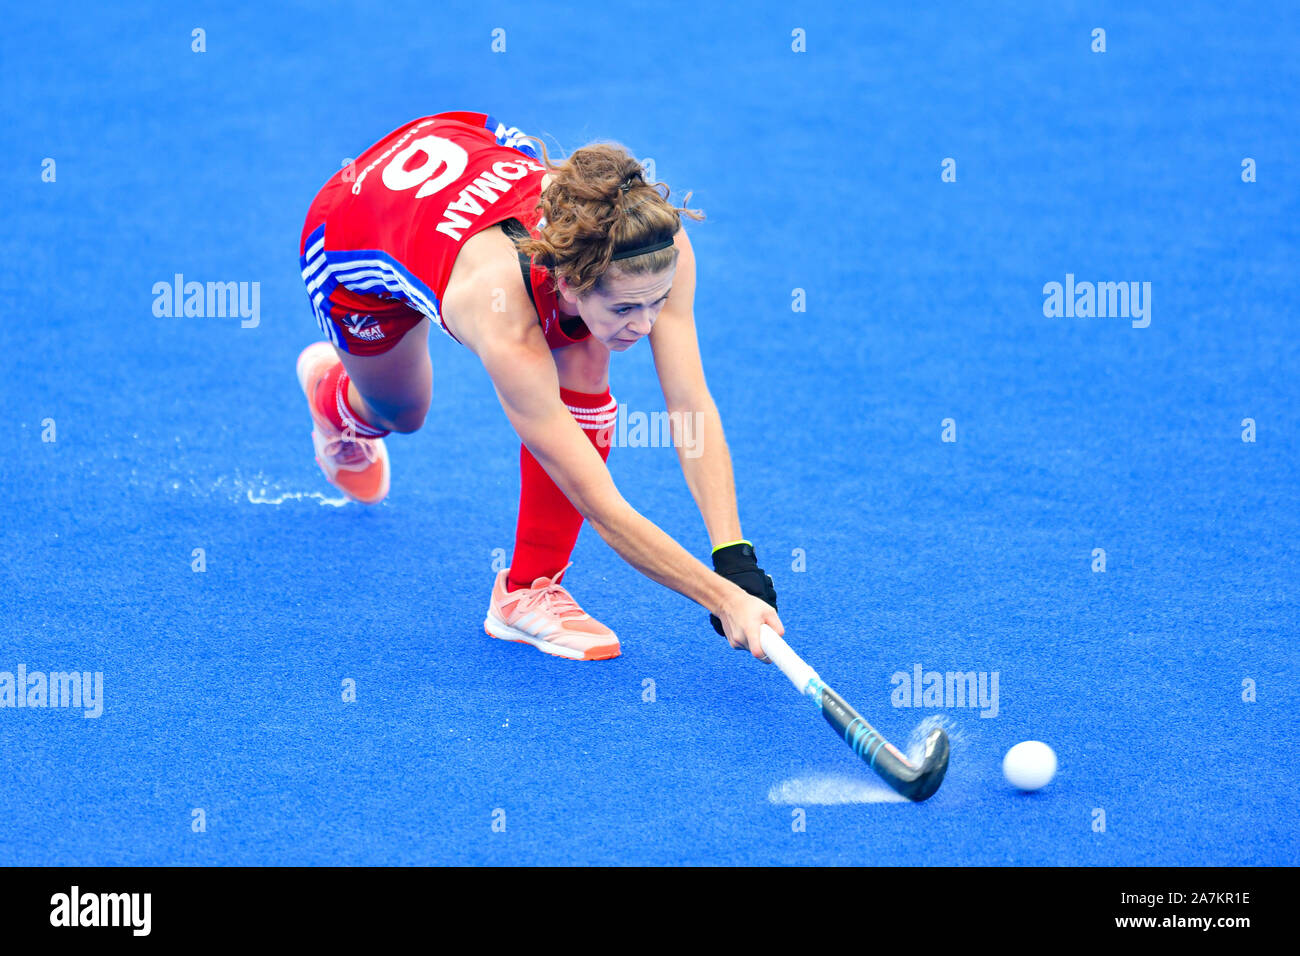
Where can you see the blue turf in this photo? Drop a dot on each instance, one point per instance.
(818, 171)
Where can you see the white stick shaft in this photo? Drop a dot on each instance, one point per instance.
(791, 664)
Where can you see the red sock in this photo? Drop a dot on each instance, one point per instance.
(548, 525)
(332, 402)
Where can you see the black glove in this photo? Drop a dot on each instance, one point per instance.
(737, 563)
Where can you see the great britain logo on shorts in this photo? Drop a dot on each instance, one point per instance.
(363, 326)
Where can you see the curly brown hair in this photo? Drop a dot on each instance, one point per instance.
(598, 203)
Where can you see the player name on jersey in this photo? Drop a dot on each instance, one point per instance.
(488, 187)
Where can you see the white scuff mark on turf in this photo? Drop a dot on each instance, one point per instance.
(257, 489)
(831, 789)
(262, 499)
(261, 490)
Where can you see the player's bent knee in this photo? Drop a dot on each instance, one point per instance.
(403, 419)
(409, 420)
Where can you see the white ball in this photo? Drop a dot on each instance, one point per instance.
(1030, 765)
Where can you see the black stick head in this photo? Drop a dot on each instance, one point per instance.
(934, 764)
(917, 783)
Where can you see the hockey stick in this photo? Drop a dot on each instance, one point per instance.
(915, 783)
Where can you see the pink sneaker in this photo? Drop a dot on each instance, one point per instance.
(546, 617)
(356, 466)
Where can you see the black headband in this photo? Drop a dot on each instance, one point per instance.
(642, 250)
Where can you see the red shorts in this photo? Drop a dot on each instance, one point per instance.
(368, 324)
(358, 323)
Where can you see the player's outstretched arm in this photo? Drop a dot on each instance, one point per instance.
(697, 427)
(698, 436)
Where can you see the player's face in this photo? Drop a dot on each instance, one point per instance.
(622, 309)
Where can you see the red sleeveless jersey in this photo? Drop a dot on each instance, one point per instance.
(386, 229)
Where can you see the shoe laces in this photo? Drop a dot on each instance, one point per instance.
(351, 452)
(551, 599)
